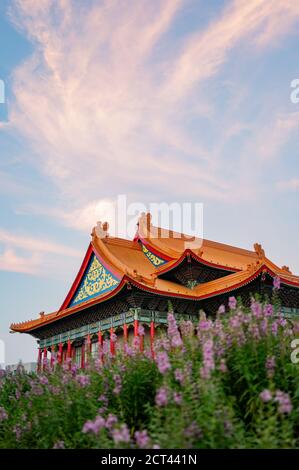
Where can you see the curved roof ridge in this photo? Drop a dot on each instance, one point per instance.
(198, 257)
(102, 247)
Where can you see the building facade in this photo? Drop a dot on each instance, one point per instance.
(123, 284)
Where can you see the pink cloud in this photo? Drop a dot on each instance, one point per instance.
(25, 254)
(289, 185)
(10, 261)
(104, 115)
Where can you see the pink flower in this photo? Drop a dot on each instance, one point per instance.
(128, 350)
(208, 359)
(111, 421)
(276, 282)
(83, 380)
(43, 380)
(140, 330)
(136, 342)
(266, 396)
(106, 346)
(94, 426)
(270, 366)
(268, 310)
(173, 331)
(234, 322)
(177, 398)
(142, 439)
(121, 435)
(274, 328)
(163, 363)
(256, 309)
(204, 325)
(221, 309)
(179, 376)
(264, 326)
(193, 431)
(162, 397)
(232, 303)
(117, 387)
(285, 404)
(176, 341)
(187, 328)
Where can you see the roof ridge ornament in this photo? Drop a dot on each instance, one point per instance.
(259, 250)
(100, 230)
(286, 269)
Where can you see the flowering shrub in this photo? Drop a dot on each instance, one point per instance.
(224, 382)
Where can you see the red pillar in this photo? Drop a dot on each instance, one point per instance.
(69, 349)
(83, 354)
(136, 327)
(39, 359)
(125, 333)
(100, 345)
(112, 344)
(60, 357)
(152, 337)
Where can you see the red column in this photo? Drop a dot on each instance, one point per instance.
(83, 355)
(100, 345)
(112, 344)
(135, 327)
(152, 337)
(60, 357)
(39, 359)
(125, 333)
(69, 349)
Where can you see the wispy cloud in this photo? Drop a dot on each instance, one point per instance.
(258, 21)
(21, 253)
(98, 107)
(107, 98)
(291, 184)
(35, 244)
(11, 261)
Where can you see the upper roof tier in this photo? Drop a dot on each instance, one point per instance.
(111, 262)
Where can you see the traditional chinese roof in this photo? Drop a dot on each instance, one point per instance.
(111, 263)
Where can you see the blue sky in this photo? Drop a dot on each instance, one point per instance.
(173, 100)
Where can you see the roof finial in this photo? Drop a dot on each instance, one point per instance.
(259, 250)
(101, 230)
(286, 269)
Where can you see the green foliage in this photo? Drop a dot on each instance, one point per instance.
(231, 383)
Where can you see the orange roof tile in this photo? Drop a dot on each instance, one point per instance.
(126, 259)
